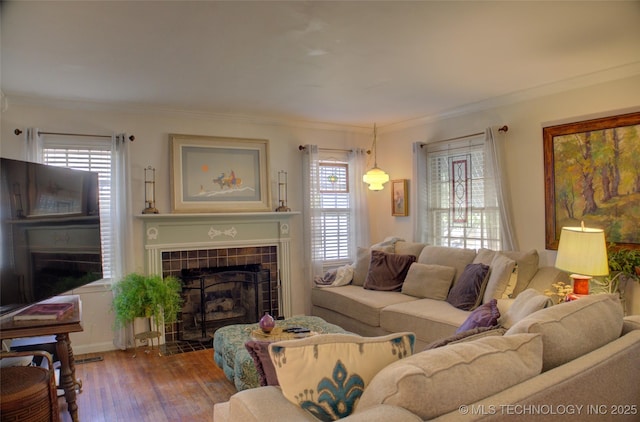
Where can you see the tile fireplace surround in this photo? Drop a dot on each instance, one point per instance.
(173, 242)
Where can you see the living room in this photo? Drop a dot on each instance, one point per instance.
(592, 86)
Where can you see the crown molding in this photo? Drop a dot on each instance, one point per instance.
(607, 75)
(149, 109)
(595, 78)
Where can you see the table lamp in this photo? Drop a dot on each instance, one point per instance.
(582, 251)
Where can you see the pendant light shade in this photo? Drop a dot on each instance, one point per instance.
(376, 177)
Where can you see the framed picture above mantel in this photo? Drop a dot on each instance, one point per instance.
(592, 174)
(218, 174)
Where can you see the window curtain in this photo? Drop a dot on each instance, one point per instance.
(311, 210)
(34, 145)
(496, 186)
(495, 190)
(121, 241)
(419, 212)
(359, 235)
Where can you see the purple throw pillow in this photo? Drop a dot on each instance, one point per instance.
(259, 351)
(387, 271)
(485, 315)
(467, 291)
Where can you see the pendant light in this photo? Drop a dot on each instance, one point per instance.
(375, 177)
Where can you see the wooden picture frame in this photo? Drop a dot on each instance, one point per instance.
(399, 198)
(592, 174)
(217, 174)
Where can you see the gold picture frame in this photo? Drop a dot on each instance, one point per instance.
(218, 174)
(591, 173)
(399, 198)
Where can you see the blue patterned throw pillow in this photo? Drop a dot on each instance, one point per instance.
(326, 374)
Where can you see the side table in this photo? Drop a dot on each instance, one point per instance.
(10, 329)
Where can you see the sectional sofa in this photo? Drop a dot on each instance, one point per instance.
(421, 305)
(575, 361)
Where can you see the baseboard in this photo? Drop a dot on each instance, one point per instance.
(82, 349)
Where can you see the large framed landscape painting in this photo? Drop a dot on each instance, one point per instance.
(592, 174)
(216, 174)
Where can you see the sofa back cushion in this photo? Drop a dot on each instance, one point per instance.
(572, 329)
(428, 281)
(438, 381)
(326, 374)
(409, 248)
(363, 259)
(457, 258)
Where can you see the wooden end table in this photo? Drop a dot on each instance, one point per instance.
(10, 329)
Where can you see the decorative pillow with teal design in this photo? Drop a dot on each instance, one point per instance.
(326, 374)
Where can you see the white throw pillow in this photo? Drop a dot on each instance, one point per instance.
(501, 269)
(326, 374)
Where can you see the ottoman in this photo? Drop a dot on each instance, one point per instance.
(230, 354)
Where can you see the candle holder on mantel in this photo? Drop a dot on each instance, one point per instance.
(282, 192)
(150, 191)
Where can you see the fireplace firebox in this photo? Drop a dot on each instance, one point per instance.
(218, 296)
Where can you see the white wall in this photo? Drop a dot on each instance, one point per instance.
(151, 147)
(151, 129)
(524, 152)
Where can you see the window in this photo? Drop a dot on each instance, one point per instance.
(332, 222)
(97, 158)
(461, 205)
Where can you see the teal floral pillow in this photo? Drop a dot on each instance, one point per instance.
(326, 374)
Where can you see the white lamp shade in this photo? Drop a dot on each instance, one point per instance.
(582, 251)
(376, 178)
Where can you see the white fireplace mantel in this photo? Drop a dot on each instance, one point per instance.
(180, 232)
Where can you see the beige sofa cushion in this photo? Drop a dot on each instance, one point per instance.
(409, 248)
(326, 374)
(449, 257)
(522, 306)
(527, 265)
(572, 329)
(429, 319)
(430, 281)
(438, 381)
(501, 269)
(357, 303)
(363, 259)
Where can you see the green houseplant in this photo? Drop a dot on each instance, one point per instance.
(624, 265)
(146, 296)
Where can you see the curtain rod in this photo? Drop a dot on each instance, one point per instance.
(504, 129)
(19, 132)
(302, 148)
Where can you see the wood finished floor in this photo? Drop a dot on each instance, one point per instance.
(181, 387)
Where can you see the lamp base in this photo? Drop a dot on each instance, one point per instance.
(580, 284)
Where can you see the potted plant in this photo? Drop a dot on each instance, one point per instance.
(147, 296)
(624, 265)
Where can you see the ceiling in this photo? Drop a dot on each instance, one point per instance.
(344, 62)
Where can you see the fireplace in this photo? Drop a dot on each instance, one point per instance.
(188, 245)
(218, 296)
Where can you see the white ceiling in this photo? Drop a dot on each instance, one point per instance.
(343, 62)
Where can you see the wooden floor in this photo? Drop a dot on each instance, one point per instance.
(182, 387)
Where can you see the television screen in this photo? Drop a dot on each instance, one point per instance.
(50, 232)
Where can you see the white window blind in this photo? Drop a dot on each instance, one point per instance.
(332, 224)
(461, 210)
(95, 157)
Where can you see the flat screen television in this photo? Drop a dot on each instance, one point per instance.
(50, 232)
